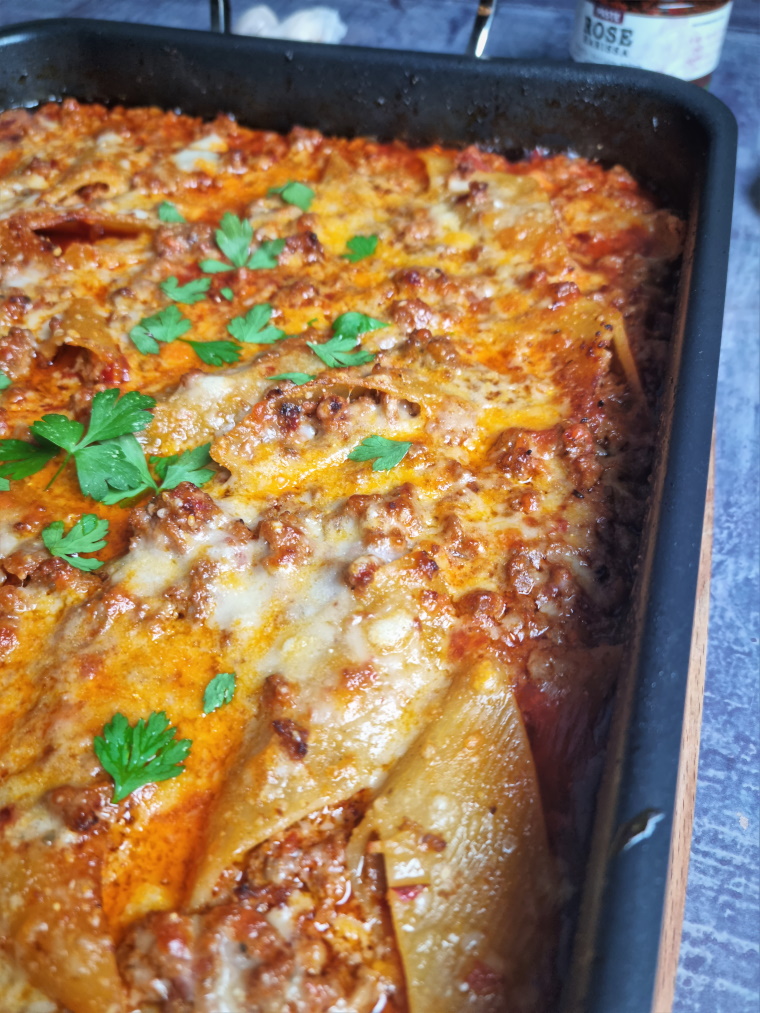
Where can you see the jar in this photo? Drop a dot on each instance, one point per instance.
(682, 38)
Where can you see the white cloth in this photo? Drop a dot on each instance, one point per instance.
(313, 24)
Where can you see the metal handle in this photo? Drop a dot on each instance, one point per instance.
(480, 29)
(219, 11)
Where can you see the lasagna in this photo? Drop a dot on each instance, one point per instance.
(323, 468)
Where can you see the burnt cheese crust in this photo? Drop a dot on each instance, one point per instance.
(386, 814)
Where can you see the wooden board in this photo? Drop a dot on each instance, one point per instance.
(683, 817)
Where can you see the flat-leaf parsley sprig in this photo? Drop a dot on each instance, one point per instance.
(144, 753)
(170, 325)
(234, 237)
(88, 534)
(214, 353)
(189, 466)
(21, 459)
(385, 454)
(110, 463)
(252, 328)
(188, 294)
(298, 194)
(166, 326)
(167, 212)
(359, 248)
(347, 330)
(299, 379)
(219, 691)
(112, 415)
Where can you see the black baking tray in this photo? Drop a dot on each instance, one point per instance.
(677, 139)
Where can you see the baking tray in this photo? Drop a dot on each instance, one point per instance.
(677, 139)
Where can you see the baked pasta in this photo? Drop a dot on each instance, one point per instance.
(323, 469)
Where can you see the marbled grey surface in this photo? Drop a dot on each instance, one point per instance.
(720, 955)
(719, 969)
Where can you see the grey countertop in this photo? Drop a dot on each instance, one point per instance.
(719, 969)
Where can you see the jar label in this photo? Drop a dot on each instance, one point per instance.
(686, 46)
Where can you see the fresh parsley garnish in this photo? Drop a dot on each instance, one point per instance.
(294, 193)
(5, 381)
(103, 467)
(234, 237)
(360, 247)
(140, 754)
(189, 294)
(336, 352)
(166, 326)
(385, 453)
(297, 378)
(219, 691)
(347, 328)
(111, 464)
(352, 325)
(265, 257)
(228, 294)
(111, 416)
(214, 353)
(252, 328)
(87, 535)
(189, 466)
(21, 459)
(215, 266)
(167, 212)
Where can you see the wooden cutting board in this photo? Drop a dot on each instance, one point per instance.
(683, 818)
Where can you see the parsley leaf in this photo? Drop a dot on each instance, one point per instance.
(64, 432)
(114, 414)
(294, 193)
(167, 212)
(143, 481)
(215, 266)
(140, 754)
(233, 237)
(351, 325)
(252, 327)
(5, 381)
(335, 352)
(266, 255)
(167, 325)
(214, 353)
(346, 331)
(111, 416)
(103, 467)
(228, 294)
(297, 378)
(360, 247)
(219, 691)
(385, 453)
(189, 294)
(21, 459)
(189, 466)
(87, 535)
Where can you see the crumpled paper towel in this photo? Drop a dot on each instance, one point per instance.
(313, 24)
